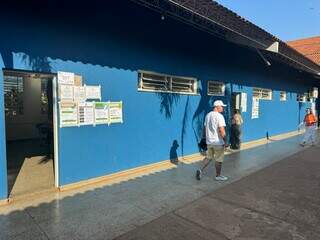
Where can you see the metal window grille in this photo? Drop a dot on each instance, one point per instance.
(44, 96)
(283, 96)
(262, 93)
(165, 83)
(13, 95)
(216, 88)
(301, 97)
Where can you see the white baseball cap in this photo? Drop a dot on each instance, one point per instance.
(219, 103)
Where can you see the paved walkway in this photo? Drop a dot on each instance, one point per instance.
(279, 202)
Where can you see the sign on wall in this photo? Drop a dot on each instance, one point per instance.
(77, 106)
(77, 80)
(68, 114)
(243, 102)
(86, 113)
(66, 92)
(255, 108)
(101, 112)
(93, 92)
(66, 78)
(79, 94)
(314, 92)
(313, 108)
(115, 111)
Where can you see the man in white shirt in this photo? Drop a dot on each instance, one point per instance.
(216, 140)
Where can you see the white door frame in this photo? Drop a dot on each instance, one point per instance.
(55, 131)
(53, 76)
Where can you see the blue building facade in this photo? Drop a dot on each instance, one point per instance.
(109, 48)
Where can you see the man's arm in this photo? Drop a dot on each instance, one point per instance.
(222, 132)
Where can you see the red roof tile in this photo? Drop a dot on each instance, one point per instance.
(309, 47)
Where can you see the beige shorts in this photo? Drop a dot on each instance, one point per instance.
(215, 152)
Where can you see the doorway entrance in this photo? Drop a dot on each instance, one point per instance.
(238, 104)
(29, 116)
(235, 102)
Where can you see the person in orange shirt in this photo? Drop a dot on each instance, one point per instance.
(310, 122)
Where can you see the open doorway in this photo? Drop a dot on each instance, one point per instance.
(238, 102)
(29, 131)
(235, 102)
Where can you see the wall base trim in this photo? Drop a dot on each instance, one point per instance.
(4, 202)
(164, 165)
(122, 176)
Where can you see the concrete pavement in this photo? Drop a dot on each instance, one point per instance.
(268, 204)
(280, 202)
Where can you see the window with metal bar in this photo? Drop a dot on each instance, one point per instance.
(155, 82)
(262, 93)
(283, 96)
(301, 97)
(216, 88)
(13, 95)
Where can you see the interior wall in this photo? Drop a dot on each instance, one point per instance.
(24, 126)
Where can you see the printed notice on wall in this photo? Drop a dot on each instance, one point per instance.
(66, 92)
(255, 108)
(68, 114)
(313, 108)
(243, 102)
(115, 111)
(66, 78)
(77, 80)
(93, 92)
(79, 94)
(86, 113)
(101, 113)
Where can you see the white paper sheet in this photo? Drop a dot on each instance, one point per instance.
(101, 113)
(66, 78)
(68, 114)
(79, 94)
(115, 111)
(66, 92)
(86, 113)
(255, 108)
(93, 92)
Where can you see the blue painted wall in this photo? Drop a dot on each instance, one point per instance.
(109, 48)
(3, 160)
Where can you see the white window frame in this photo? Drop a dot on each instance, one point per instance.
(260, 96)
(283, 96)
(223, 88)
(169, 83)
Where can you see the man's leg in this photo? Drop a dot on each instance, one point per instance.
(218, 168)
(232, 137)
(237, 137)
(218, 157)
(314, 135)
(309, 135)
(206, 161)
(306, 136)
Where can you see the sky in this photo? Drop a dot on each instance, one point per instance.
(285, 19)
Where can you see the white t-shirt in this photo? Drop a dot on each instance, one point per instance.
(213, 121)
